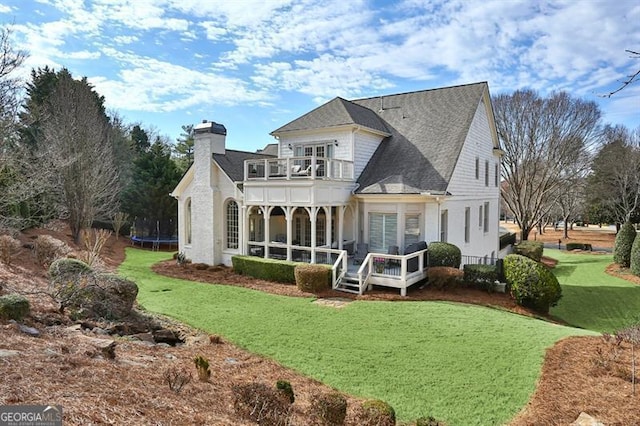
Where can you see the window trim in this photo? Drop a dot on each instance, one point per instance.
(232, 225)
(467, 224)
(486, 217)
(486, 173)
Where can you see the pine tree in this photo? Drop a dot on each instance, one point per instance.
(184, 148)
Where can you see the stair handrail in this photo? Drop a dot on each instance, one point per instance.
(367, 265)
(339, 268)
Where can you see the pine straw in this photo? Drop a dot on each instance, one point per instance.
(572, 382)
(60, 368)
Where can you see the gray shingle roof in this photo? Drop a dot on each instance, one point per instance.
(337, 112)
(428, 129)
(232, 162)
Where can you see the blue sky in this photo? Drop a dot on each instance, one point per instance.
(255, 65)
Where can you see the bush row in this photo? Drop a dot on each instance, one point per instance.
(265, 269)
(531, 249)
(579, 246)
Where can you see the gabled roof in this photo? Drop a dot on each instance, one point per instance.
(232, 162)
(337, 112)
(428, 129)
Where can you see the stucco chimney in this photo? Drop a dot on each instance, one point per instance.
(211, 136)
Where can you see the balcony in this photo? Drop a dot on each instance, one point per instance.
(298, 168)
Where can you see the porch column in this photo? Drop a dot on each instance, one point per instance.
(313, 215)
(243, 231)
(288, 214)
(328, 238)
(340, 224)
(265, 213)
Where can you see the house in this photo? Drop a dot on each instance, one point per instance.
(374, 173)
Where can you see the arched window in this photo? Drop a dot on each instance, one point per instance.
(232, 225)
(187, 220)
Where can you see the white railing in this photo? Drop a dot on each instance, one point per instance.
(298, 168)
(339, 269)
(398, 271)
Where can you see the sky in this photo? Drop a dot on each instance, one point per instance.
(255, 65)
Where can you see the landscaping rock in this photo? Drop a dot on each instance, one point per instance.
(164, 335)
(106, 347)
(143, 337)
(586, 420)
(7, 353)
(30, 331)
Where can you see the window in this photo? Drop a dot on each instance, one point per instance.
(256, 227)
(467, 223)
(497, 176)
(444, 225)
(477, 168)
(480, 221)
(187, 220)
(321, 225)
(486, 173)
(232, 225)
(486, 217)
(383, 231)
(411, 229)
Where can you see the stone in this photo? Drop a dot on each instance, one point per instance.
(170, 356)
(29, 331)
(585, 419)
(164, 335)
(8, 353)
(73, 328)
(107, 347)
(143, 337)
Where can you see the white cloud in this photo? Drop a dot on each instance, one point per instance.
(5, 8)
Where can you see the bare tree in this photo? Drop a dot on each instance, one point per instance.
(80, 153)
(615, 181)
(546, 141)
(570, 200)
(630, 78)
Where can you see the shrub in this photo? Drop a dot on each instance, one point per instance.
(623, 245)
(13, 306)
(377, 412)
(444, 277)
(66, 266)
(444, 254)
(634, 262)
(312, 278)
(481, 276)
(9, 248)
(176, 378)
(202, 366)
(286, 388)
(261, 403)
(579, 246)
(532, 285)
(329, 408)
(265, 269)
(428, 421)
(531, 249)
(47, 249)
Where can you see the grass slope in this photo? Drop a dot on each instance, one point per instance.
(591, 298)
(462, 364)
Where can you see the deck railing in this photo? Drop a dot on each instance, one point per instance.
(291, 168)
(399, 271)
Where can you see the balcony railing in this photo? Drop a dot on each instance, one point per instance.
(291, 168)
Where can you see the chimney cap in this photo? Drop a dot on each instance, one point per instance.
(210, 127)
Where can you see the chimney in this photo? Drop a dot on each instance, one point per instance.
(211, 136)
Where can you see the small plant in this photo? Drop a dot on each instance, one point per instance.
(214, 339)
(444, 254)
(202, 366)
(46, 249)
(531, 284)
(634, 261)
(176, 378)
(377, 412)
(312, 278)
(286, 388)
(94, 242)
(632, 336)
(329, 408)
(262, 404)
(444, 277)
(13, 306)
(9, 248)
(181, 259)
(481, 276)
(428, 421)
(607, 354)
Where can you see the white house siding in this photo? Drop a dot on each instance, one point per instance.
(467, 191)
(343, 151)
(365, 144)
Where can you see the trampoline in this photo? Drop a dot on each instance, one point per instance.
(155, 242)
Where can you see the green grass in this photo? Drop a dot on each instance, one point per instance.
(591, 298)
(462, 364)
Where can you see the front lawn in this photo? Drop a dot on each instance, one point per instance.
(591, 298)
(459, 363)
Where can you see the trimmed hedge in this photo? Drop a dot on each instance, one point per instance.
(13, 306)
(624, 243)
(444, 277)
(531, 249)
(281, 271)
(579, 246)
(444, 254)
(313, 278)
(66, 266)
(378, 412)
(635, 257)
(481, 276)
(531, 284)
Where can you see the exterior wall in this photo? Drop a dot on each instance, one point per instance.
(469, 191)
(365, 145)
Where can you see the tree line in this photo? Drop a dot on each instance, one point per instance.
(63, 155)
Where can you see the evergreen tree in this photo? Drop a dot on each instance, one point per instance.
(140, 139)
(147, 199)
(184, 148)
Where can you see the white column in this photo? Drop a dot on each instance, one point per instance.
(313, 214)
(288, 214)
(266, 212)
(327, 227)
(340, 225)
